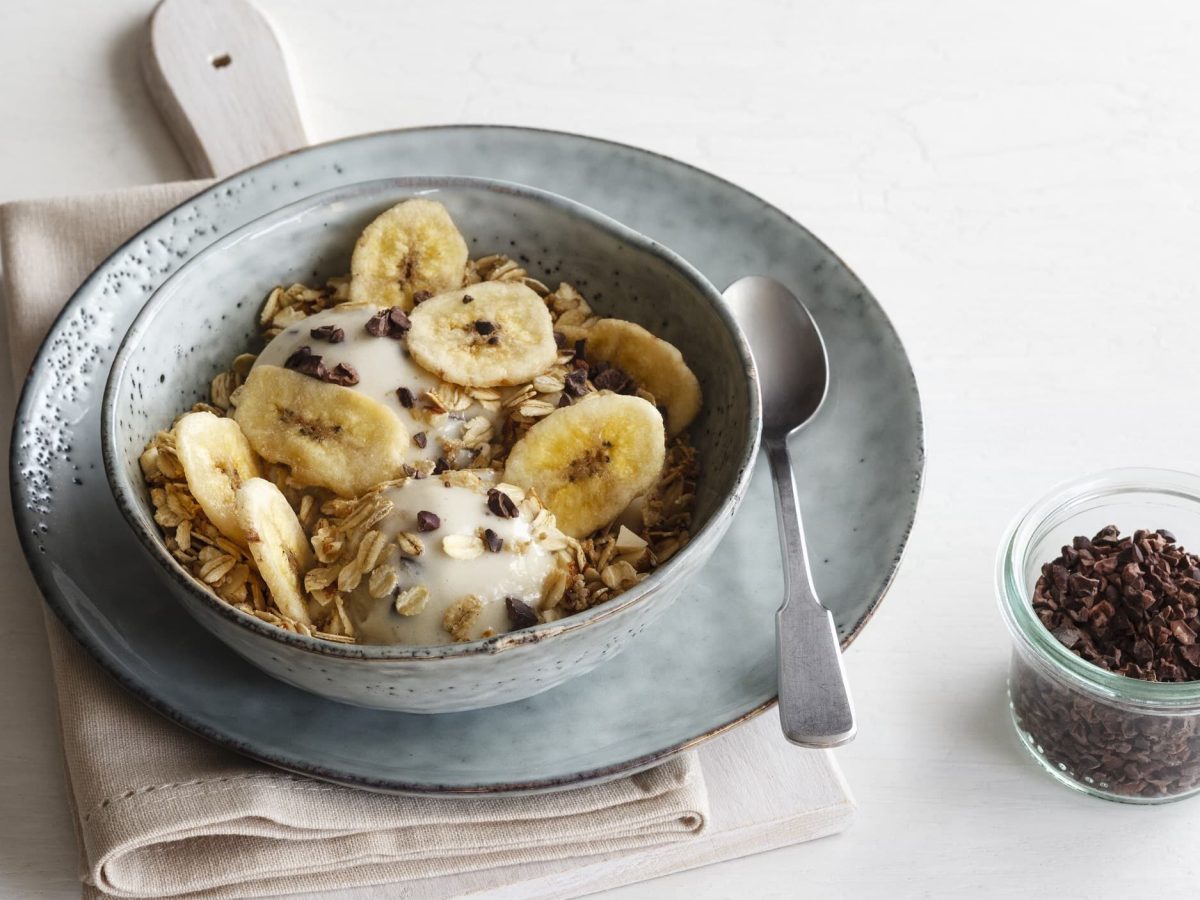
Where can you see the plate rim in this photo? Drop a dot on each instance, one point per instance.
(535, 785)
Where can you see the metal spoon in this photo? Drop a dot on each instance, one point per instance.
(793, 374)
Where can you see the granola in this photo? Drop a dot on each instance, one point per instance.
(461, 463)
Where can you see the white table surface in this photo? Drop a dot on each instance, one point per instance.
(1019, 185)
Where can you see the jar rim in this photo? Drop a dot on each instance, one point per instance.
(1016, 604)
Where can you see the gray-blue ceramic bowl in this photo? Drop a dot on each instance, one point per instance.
(206, 313)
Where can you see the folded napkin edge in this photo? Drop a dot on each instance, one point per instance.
(97, 195)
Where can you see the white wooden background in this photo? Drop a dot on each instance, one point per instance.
(1018, 182)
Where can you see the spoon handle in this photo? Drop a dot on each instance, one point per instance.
(814, 701)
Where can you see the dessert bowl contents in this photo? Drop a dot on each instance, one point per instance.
(434, 449)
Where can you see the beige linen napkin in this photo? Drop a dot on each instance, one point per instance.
(162, 813)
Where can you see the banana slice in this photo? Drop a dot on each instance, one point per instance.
(330, 436)
(278, 544)
(589, 460)
(216, 459)
(490, 334)
(412, 247)
(653, 363)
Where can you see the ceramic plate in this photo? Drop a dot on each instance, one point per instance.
(706, 665)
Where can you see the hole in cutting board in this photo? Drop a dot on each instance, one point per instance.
(221, 61)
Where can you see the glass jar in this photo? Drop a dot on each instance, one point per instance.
(1105, 734)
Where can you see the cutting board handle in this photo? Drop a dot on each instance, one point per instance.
(217, 72)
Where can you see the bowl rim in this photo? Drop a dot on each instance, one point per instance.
(699, 544)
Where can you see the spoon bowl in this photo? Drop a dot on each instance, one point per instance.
(788, 350)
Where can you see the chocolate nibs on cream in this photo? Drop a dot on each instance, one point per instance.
(330, 333)
(501, 504)
(306, 362)
(343, 374)
(393, 323)
(520, 613)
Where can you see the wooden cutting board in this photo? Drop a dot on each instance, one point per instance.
(219, 75)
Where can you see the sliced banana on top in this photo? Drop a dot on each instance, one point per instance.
(490, 334)
(589, 460)
(653, 363)
(216, 460)
(330, 436)
(277, 543)
(414, 246)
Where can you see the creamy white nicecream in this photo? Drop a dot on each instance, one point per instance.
(458, 559)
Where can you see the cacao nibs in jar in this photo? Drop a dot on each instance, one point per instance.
(1126, 604)
(1105, 746)
(1129, 606)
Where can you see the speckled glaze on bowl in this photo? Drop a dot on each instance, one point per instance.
(207, 313)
